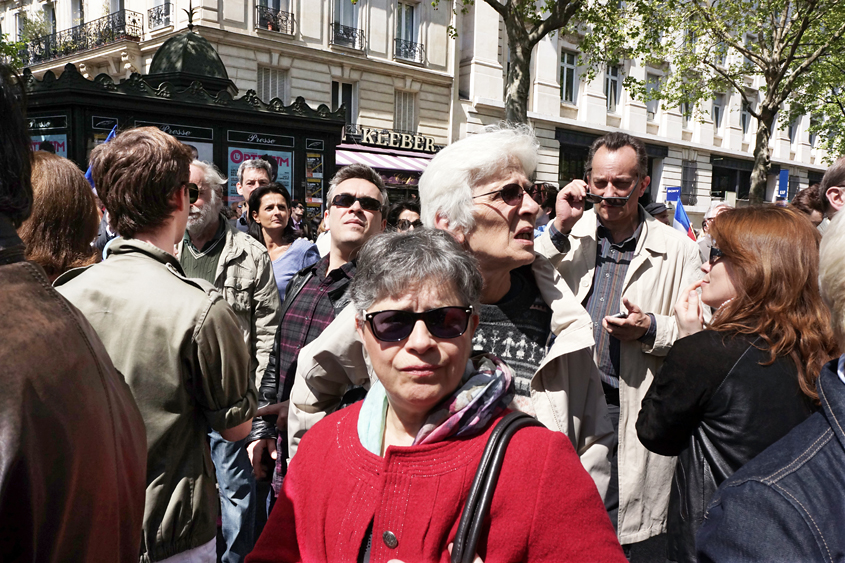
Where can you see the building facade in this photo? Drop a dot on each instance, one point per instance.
(410, 85)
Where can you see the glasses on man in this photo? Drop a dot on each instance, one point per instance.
(193, 192)
(348, 200)
(395, 326)
(510, 194)
(611, 201)
(715, 254)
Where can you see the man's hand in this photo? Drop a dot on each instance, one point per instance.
(278, 409)
(632, 327)
(689, 314)
(256, 452)
(570, 205)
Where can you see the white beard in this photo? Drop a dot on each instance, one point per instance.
(199, 218)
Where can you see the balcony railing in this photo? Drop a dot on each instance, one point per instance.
(347, 36)
(159, 16)
(409, 51)
(121, 25)
(274, 20)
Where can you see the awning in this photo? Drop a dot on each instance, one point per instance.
(381, 161)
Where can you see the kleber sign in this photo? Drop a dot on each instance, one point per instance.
(395, 140)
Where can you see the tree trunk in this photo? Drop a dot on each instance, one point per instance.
(762, 160)
(518, 82)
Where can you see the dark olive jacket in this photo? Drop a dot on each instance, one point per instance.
(73, 448)
(715, 405)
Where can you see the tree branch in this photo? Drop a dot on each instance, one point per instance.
(502, 9)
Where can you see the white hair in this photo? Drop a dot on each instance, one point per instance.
(832, 274)
(713, 210)
(211, 176)
(446, 186)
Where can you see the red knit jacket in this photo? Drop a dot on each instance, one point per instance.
(545, 508)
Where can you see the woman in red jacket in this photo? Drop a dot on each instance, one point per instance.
(388, 477)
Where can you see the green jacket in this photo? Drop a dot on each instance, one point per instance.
(181, 350)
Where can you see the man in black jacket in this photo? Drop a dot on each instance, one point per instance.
(357, 204)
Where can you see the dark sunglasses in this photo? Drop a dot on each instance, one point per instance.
(609, 201)
(348, 200)
(511, 194)
(715, 254)
(395, 326)
(193, 192)
(404, 224)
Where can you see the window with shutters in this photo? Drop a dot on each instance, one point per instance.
(404, 117)
(718, 111)
(611, 87)
(343, 93)
(651, 85)
(688, 177)
(272, 83)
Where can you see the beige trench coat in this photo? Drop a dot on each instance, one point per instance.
(665, 262)
(566, 390)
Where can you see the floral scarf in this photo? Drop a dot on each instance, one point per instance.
(486, 389)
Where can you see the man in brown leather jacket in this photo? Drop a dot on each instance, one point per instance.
(73, 448)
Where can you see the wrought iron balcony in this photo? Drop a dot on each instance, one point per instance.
(274, 20)
(159, 16)
(118, 26)
(347, 36)
(409, 51)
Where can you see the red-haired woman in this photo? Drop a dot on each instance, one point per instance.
(726, 393)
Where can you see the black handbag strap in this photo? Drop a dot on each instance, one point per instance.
(481, 493)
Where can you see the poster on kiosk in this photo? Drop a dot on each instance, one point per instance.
(239, 154)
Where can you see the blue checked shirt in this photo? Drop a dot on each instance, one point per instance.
(605, 296)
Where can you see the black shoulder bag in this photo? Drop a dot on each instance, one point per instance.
(481, 493)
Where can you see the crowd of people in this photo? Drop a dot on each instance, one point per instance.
(183, 385)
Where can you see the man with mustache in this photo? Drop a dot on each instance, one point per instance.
(240, 268)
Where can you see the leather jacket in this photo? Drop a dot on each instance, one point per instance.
(716, 406)
(73, 447)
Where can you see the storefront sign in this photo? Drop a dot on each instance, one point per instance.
(394, 140)
(264, 139)
(48, 123)
(673, 193)
(181, 131)
(238, 155)
(59, 143)
(314, 145)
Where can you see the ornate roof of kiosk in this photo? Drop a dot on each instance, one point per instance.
(187, 57)
(71, 83)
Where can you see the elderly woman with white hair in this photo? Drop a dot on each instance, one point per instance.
(475, 189)
(388, 478)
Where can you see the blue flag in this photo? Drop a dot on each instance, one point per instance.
(88, 172)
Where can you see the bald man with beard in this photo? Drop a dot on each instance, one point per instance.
(240, 268)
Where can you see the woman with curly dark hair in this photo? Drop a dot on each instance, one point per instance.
(64, 220)
(728, 391)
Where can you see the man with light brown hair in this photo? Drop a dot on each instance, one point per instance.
(176, 340)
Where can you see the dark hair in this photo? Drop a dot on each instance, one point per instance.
(136, 175)
(397, 208)
(15, 150)
(616, 141)
(64, 217)
(808, 200)
(834, 176)
(254, 204)
(47, 146)
(274, 166)
(296, 203)
(774, 253)
(363, 172)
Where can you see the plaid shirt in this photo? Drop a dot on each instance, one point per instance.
(605, 296)
(310, 312)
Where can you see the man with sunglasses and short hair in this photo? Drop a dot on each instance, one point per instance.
(175, 340)
(628, 270)
(357, 202)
